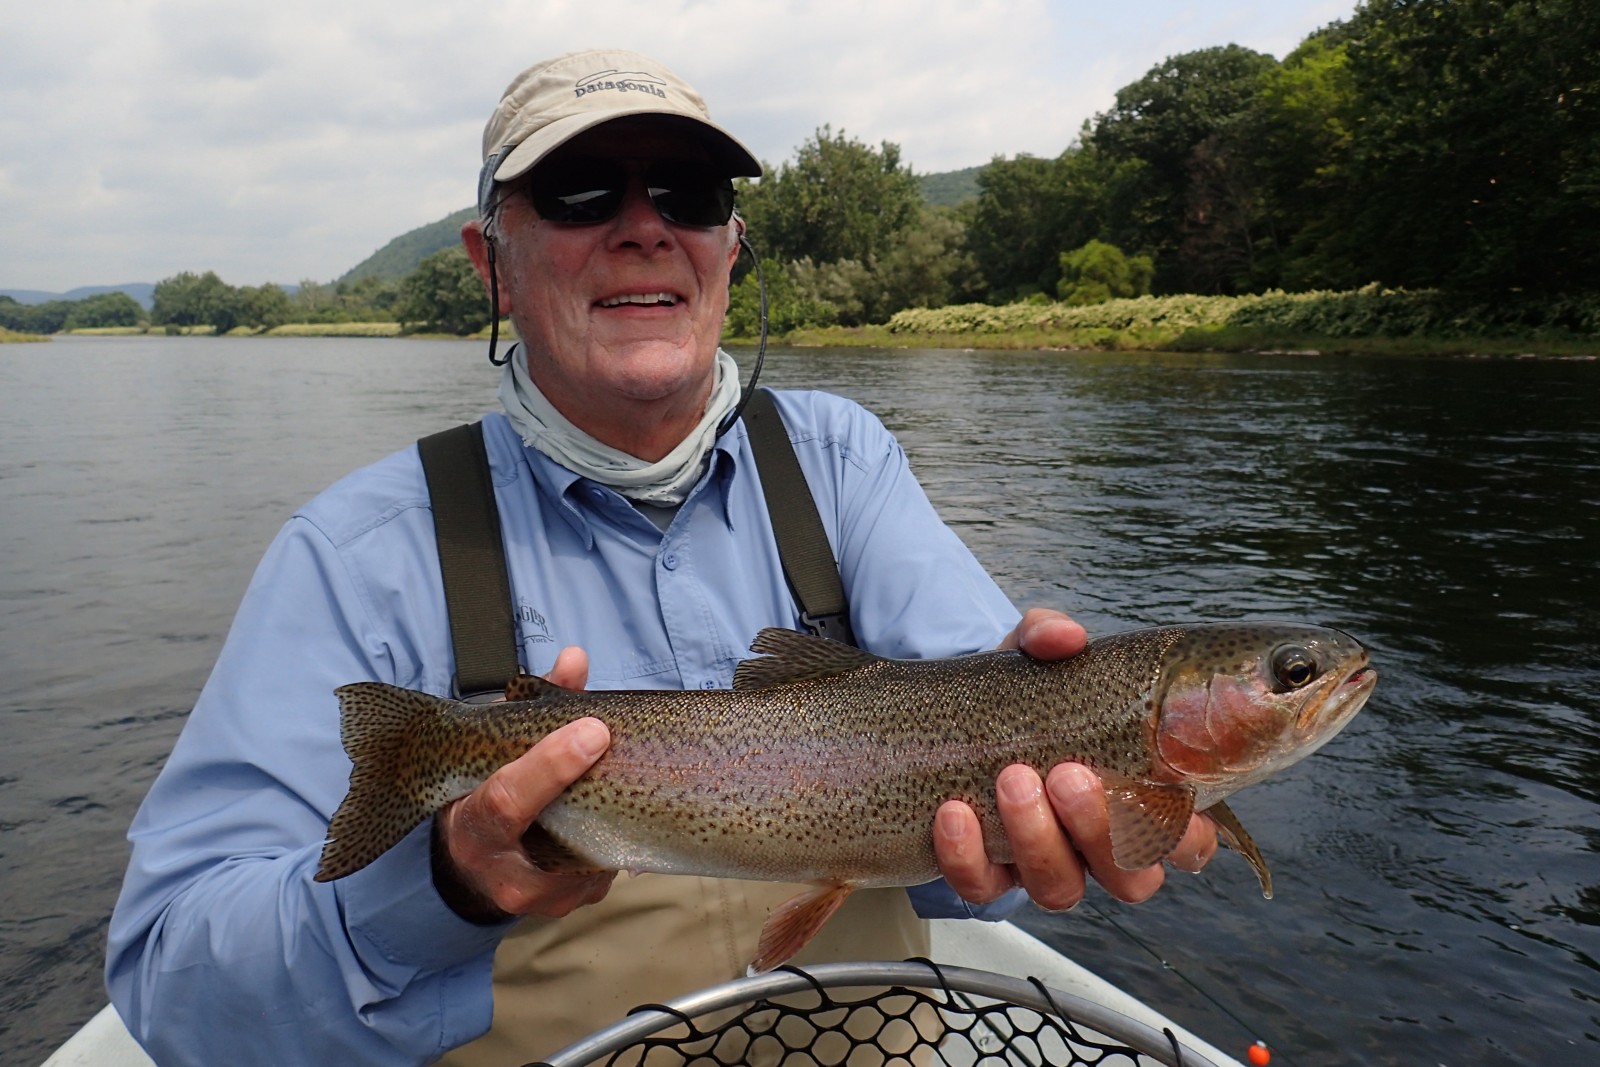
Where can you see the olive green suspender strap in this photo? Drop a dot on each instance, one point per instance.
(803, 547)
(472, 560)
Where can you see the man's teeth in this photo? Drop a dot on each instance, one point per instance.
(638, 298)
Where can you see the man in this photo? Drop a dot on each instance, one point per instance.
(640, 556)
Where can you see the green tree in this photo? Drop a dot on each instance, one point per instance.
(264, 307)
(839, 199)
(445, 294)
(787, 308)
(1020, 202)
(1477, 164)
(1028, 209)
(189, 299)
(1097, 272)
(49, 317)
(104, 309)
(927, 264)
(1196, 209)
(1301, 127)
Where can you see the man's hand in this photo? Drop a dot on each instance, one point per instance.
(480, 867)
(1059, 828)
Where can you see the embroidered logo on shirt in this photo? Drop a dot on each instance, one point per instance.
(534, 626)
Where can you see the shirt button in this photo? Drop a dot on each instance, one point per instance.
(709, 683)
(670, 561)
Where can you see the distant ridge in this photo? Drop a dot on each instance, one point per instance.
(140, 291)
(948, 188)
(400, 256)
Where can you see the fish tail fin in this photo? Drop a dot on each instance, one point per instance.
(795, 922)
(390, 791)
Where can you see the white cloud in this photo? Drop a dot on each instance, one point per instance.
(275, 140)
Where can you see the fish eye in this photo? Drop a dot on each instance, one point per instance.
(1293, 667)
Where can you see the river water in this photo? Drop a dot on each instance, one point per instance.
(1438, 884)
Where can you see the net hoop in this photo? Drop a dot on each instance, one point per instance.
(1111, 1036)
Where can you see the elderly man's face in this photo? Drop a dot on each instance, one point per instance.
(620, 319)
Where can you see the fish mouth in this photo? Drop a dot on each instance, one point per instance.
(1342, 700)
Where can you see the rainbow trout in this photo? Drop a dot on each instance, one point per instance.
(825, 764)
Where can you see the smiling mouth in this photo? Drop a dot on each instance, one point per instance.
(640, 300)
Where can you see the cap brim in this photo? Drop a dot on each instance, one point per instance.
(724, 147)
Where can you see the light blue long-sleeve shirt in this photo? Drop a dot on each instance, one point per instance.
(223, 948)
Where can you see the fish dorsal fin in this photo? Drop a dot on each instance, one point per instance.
(791, 656)
(793, 924)
(1233, 834)
(529, 687)
(1147, 820)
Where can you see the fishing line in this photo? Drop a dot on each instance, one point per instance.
(1167, 965)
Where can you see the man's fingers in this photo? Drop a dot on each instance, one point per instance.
(482, 832)
(1047, 865)
(1047, 635)
(1079, 801)
(524, 787)
(1199, 844)
(958, 846)
(571, 668)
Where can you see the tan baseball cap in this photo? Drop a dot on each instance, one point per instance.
(551, 102)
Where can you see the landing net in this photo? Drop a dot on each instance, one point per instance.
(910, 1014)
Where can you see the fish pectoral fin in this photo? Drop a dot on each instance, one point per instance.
(554, 856)
(793, 924)
(1231, 832)
(1147, 820)
(791, 656)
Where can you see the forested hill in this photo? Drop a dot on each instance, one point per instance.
(400, 256)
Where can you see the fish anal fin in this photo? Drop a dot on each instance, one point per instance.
(1147, 821)
(793, 924)
(791, 656)
(554, 856)
(1231, 832)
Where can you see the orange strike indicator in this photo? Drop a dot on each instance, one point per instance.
(1260, 1054)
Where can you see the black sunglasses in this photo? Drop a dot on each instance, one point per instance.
(582, 191)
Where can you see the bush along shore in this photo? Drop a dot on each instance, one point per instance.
(1371, 319)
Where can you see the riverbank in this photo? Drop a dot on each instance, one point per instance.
(1196, 339)
(1372, 320)
(13, 337)
(1368, 320)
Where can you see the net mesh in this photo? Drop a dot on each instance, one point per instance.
(848, 1024)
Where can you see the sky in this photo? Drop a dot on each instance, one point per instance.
(287, 140)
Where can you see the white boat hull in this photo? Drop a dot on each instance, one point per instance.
(999, 947)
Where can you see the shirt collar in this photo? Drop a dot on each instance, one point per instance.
(573, 494)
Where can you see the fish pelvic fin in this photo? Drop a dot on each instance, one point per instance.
(386, 731)
(791, 656)
(793, 924)
(1147, 820)
(1232, 833)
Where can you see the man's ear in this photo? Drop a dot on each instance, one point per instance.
(738, 236)
(481, 249)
